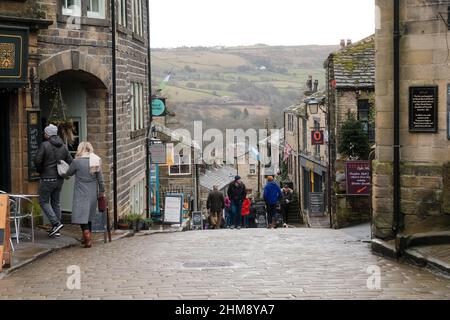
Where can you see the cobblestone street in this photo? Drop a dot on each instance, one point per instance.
(294, 263)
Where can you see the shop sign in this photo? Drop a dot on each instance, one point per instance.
(317, 137)
(358, 178)
(423, 109)
(158, 107)
(158, 153)
(5, 249)
(34, 140)
(13, 56)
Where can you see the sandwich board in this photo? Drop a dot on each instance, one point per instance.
(5, 248)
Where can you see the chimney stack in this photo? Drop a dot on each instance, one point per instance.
(349, 42)
(309, 84)
(316, 85)
(342, 43)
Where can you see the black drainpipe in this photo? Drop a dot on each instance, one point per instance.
(114, 92)
(150, 119)
(398, 224)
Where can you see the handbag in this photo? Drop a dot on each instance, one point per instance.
(62, 168)
(101, 204)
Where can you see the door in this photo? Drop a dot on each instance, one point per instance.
(5, 161)
(74, 96)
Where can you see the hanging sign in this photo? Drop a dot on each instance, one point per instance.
(158, 153)
(317, 137)
(13, 56)
(358, 178)
(158, 107)
(423, 109)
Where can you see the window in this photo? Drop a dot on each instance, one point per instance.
(137, 106)
(138, 24)
(96, 9)
(137, 197)
(290, 123)
(305, 134)
(181, 165)
(122, 12)
(71, 7)
(252, 168)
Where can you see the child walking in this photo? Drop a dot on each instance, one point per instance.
(246, 211)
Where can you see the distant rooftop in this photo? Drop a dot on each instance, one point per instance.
(219, 176)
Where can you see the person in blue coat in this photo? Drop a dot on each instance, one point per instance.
(272, 194)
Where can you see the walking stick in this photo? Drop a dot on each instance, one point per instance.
(108, 228)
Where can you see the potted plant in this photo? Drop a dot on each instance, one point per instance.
(122, 224)
(145, 224)
(35, 208)
(133, 221)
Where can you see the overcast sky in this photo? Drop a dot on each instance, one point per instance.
(176, 23)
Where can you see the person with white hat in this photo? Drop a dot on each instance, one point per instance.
(50, 152)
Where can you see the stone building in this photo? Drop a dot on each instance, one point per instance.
(70, 77)
(411, 171)
(350, 76)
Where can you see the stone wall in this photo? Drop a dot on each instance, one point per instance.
(423, 62)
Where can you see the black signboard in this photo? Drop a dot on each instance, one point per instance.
(358, 180)
(34, 140)
(99, 222)
(316, 204)
(13, 56)
(448, 111)
(197, 220)
(423, 109)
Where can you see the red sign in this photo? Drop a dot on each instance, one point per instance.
(358, 178)
(316, 137)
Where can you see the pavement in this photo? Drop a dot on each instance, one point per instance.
(283, 263)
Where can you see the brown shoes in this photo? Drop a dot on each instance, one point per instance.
(87, 237)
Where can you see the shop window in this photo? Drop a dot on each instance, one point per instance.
(137, 197)
(137, 106)
(305, 134)
(137, 17)
(122, 12)
(363, 116)
(181, 165)
(96, 9)
(71, 8)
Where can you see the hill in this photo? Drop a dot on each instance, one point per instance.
(235, 87)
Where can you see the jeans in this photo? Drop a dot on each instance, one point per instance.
(236, 208)
(246, 221)
(49, 194)
(271, 212)
(228, 216)
(285, 211)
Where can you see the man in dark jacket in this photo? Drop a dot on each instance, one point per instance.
(215, 204)
(48, 156)
(237, 193)
(286, 199)
(272, 194)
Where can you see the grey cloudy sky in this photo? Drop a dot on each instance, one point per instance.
(177, 23)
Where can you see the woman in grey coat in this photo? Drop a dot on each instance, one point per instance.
(88, 187)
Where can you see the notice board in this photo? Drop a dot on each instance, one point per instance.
(358, 178)
(316, 204)
(423, 109)
(34, 140)
(173, 208)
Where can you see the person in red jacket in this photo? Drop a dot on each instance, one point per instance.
(246, 211)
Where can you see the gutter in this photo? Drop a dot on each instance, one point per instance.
(114, 92)
(150, 120)
(397, 219)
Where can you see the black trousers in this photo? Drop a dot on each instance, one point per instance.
(284, 212)
(86, 226)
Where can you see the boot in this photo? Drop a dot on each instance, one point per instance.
(87, 239)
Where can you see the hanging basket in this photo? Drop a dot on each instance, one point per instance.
(66, 128)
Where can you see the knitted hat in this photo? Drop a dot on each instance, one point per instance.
(269, 178)
(51, 130)
(237, 178)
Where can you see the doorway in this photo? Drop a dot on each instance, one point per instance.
(74, 100)
(5, 150)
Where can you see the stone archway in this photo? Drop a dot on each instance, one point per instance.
(76, 61)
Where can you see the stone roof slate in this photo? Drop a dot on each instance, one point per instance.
(354, 66)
